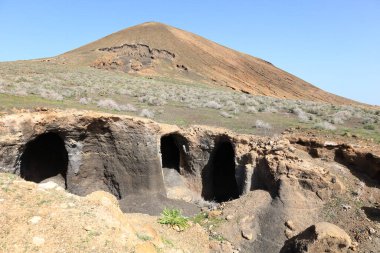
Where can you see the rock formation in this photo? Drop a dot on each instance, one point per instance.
(321, 237)
(263, 190)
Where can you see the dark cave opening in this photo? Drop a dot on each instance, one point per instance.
(221, 169)
(170, 153)
(44, 157)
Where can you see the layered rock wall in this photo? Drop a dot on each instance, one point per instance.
(117, 154)
(105, 152)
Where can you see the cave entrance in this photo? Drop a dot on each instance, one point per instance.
(44, 157)
(222, 173)
(173, 150)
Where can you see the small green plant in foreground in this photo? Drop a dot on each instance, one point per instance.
(144, 237)
(201, 218)
(207, 222)
(218, 237)
(173, 217)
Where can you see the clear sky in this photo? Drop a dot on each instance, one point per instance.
(333, 44)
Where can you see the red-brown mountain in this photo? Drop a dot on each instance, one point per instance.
(156, 49)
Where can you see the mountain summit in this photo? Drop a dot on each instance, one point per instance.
(156, 49)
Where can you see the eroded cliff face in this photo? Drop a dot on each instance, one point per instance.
(104, 153)
(125, 155)
(122, 155)
(261, 182)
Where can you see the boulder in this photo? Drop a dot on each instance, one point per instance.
(321, 237)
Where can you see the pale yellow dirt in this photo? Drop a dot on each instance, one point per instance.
(34, 219)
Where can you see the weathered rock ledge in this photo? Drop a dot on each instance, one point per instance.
(260, 183)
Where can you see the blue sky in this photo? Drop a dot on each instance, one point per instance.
(334, 45)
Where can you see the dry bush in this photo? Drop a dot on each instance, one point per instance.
(146, 113)
(250, 109)
(213, 104)
(152, 101)
(50, 94)
(325, 125)
(58, 82)
(340, 117)
(128, 108)
(84, 101)
(108, 104)
(302, 116)
(232, 107)
(226, 114)
(262, 125)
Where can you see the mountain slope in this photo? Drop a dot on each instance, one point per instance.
(156, 49)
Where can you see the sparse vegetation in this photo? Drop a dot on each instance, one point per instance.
(144, 237)
(302, 116)
(212, 104)
(84, 101)
(226, 114)
(146, 113)
(218, 237)
(208, 223)
(173, 217)
(171, 101)
(369, 127)
(262, 125)
(325, 125)
(204, 220)
(200, 218)
(167, 242)
(108, 104)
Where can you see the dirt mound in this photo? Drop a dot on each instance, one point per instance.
(156, 49)
(45, 218)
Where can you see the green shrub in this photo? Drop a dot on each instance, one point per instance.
(369, 127)
(144, 237)
(200, 218)
(173, 217)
